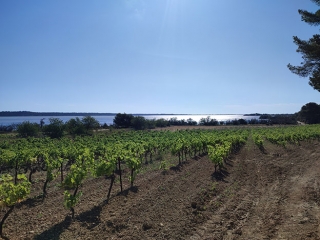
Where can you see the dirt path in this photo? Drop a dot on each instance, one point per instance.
(271, 195)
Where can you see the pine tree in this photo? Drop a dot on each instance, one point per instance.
(310, 50)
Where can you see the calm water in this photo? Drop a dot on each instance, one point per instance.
(109, 119)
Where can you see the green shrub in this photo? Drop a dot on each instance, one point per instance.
(28, 129)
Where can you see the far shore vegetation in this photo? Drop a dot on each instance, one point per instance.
(56, 128)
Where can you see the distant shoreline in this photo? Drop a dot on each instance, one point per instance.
(49, 114)
(55, 114)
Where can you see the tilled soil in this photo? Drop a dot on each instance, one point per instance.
(274, 194)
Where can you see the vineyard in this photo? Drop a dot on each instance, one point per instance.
(233, 183)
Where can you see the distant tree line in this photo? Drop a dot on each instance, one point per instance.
(8, 128)
(123, 120)
(57, 128)
(271, 119)
(309, 114)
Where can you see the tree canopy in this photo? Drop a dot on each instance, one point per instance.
(122, 120)
(310, 113)
(55, 128)
(28, 129)
(310, 50)
(90, 123)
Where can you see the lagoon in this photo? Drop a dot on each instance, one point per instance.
(108, 119)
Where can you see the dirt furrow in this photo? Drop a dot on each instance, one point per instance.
(258, 195)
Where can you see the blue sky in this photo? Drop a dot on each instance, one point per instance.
(153, 56)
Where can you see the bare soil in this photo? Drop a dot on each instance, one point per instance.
(258, 195)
